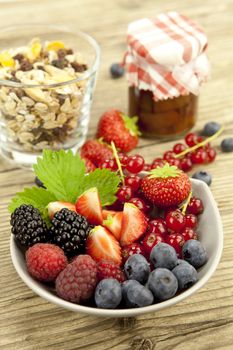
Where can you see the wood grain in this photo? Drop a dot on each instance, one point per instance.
(204, 321)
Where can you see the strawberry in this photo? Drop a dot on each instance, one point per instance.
(88, 165)
(113, 221)
(88, 205)
(102, 245)
(117, 127)
(96, 151)
(54, 207)
(166, 186)
(134, 224)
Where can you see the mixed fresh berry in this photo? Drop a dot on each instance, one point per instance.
(128, 256)
(108, 229)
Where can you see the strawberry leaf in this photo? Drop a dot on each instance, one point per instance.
(105, 181)
(61, 173)
(38, 197)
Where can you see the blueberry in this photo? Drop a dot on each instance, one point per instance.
(181, 261)
(108, 294)
(186, 275)
(163, 255)
(162, 283)
(227, 144)
(137, 268)
(39, 183)
(194, 252)
(117, 70)
(136, 295)
(211, 128)
(203, 176)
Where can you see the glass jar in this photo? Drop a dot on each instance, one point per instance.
(46, 115)
(162, 119)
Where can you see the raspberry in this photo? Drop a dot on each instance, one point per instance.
(45, 261)
(107, 269)
(77, 282)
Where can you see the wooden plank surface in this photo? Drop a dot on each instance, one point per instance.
(204, 321)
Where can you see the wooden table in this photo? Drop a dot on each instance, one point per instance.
(204, 321)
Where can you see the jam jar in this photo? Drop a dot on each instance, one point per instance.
(165, 64)
(165, 118)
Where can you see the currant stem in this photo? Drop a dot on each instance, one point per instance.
(118, 162)
(184, 207)
(203, 143)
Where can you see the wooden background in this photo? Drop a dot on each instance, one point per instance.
(205, 321)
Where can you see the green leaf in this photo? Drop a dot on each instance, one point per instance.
(164, 172)
(105, 181)
(61, 173)
(38, 197)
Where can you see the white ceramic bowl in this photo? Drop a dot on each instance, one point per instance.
(211, 235)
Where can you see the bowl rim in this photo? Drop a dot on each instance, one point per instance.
(65, 29)
(94, 311)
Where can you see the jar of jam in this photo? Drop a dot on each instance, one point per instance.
(164, 118)
(165, 65)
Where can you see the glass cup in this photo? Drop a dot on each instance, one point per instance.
(34, 117)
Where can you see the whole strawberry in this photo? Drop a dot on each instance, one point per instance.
(89, 165)
(96, 151)
(117, 127)
(166, 186)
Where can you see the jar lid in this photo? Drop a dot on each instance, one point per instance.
(166, 55)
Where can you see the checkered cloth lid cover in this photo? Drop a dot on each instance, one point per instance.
(166, 55)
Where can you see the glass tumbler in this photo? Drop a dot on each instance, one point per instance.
(41, 116)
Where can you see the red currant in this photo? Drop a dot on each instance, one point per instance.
(123, 159)
(116, 206)
(190, 221)
(124, 194)
(133, 181)
(186, 164)
(109, 164)
(150, 240)
(174, 161)
(178, 148)
(175, 220)
(176, 241)
(147, 167)
(168, 155)
(135, 164)
(188, 233)
(200, 139)
(211, 154)
(199, 156)
(139, 203)
(128, 250)
(195, 206)
(157, 162)
(191, 139)
(158, 226)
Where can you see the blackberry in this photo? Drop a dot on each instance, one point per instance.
(69, 231)
(28, 226)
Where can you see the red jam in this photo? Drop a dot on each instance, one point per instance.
(163, 119)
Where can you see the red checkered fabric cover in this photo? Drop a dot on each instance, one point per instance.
(166, 55)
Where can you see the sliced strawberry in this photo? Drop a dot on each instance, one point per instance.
(88, 205)
(134, 224)
(113, 222)
(108, 212)
(54, 207)
(102, 245)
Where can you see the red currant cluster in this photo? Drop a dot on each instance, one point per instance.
(182, 155)
(172, 227)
